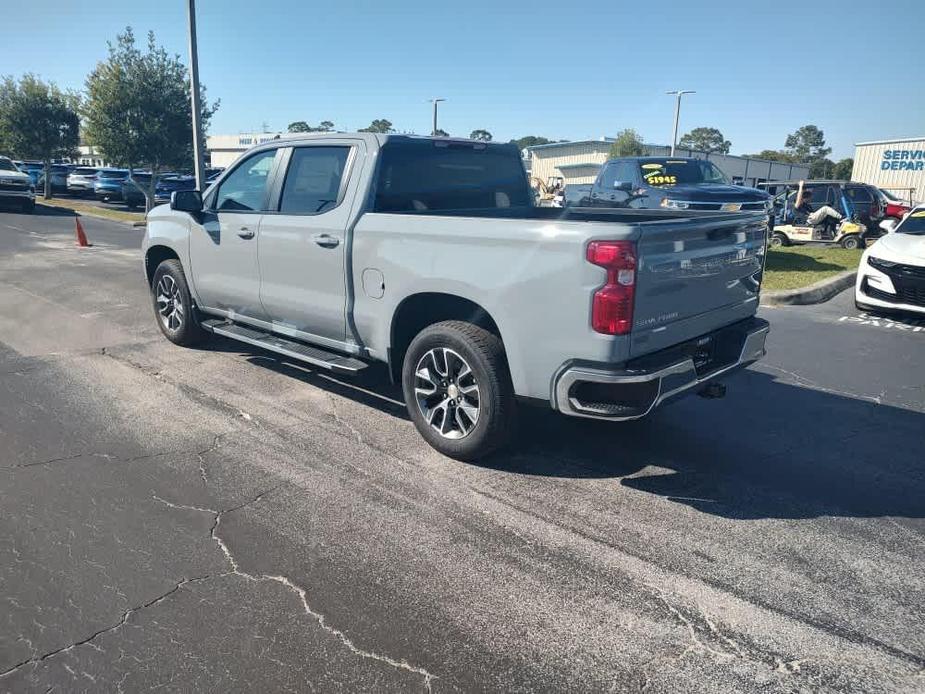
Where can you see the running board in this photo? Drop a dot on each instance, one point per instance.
(281, 345)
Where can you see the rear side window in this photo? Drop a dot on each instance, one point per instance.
(859, 196)
(417, 176)
(313, 181)
(245, 188)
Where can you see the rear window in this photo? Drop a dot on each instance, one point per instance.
(116, 175)
(84, 172)
(417, 176)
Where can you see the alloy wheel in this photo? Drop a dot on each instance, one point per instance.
(447, 393)
(170, 303)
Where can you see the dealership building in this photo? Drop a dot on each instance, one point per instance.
(897, 166)
(579, 162)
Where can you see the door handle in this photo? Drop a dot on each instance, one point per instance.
(245, 233)
(326, 240)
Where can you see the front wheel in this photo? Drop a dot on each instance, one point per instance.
(778, 239)
(28, 206)
(173, 305)
(458, 389)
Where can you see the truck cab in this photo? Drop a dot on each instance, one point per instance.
(674, 183)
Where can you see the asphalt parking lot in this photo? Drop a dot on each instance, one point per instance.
(223, 520)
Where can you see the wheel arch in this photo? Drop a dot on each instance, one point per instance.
(417, 311)
(154, 256)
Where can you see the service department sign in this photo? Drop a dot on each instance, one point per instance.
(903, 160)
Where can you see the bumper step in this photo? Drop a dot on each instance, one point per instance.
(315, 356)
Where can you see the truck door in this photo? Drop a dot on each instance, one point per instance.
(223, 243)
(302, 240)
(614, 185)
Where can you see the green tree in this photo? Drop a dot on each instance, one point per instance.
(822, 168)
(300, 126)
(705, 140)
(37, 121)
(843, 169)
(480, 135)
(138, 110)
(773, 155)
(380, 125)
(628, 143)
(807, 144)
(440, 132)
(530, 141)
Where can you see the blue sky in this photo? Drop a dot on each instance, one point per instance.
(562, 70)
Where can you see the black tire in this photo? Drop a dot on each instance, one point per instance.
(28, 207)
(778, 239)
(184, 328)
(484, 354)
(850, 242)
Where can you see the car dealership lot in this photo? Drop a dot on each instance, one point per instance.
(222, 519)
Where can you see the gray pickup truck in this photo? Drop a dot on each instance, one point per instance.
(428, 254)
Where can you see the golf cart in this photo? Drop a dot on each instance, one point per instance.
(849, 232)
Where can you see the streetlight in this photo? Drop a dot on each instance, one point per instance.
(677, 114)
(435, 102)
(194, 98)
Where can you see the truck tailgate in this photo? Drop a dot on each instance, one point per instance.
(695, 276)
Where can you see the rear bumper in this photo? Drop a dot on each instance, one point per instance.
(636, 389)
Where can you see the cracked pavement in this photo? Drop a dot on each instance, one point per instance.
(221, 520)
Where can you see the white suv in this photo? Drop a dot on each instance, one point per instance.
(15, 186)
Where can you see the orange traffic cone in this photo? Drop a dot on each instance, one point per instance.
(81, 236)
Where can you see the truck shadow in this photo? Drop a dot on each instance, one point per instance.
(770, 449)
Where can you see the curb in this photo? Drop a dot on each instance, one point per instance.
(813, 294)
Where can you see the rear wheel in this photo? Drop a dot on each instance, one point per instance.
(458, 389)
(778, 239)
(173, 305)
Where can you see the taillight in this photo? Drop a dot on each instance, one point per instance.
(612, 308)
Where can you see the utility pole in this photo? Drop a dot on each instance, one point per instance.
(677, 114)
(435, 102)
(195, 100)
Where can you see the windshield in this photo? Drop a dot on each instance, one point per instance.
(668, 172)
(7, 165)
(913, 224)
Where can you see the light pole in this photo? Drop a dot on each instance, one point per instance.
(435, 102)
(194, 98)
(677, 114)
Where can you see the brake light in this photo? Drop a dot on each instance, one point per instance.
(612, 307)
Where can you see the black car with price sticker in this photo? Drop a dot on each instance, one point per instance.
(672, 183)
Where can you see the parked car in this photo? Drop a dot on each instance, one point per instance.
(108, 184)
(132, 195)
(672, 183)
(80, 181)
(893, 206)
(34, 169)
(59, 174)
(891, 276)
(429, 255)
(168, 184)
(859, 203)
(16, 186)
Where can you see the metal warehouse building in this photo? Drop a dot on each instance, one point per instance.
(894, 165)
(579, 162)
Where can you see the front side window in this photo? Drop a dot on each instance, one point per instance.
(313, 180)
(245, 189)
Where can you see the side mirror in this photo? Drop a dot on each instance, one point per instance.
(186, 201)
(625, 186)
(888, 225)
